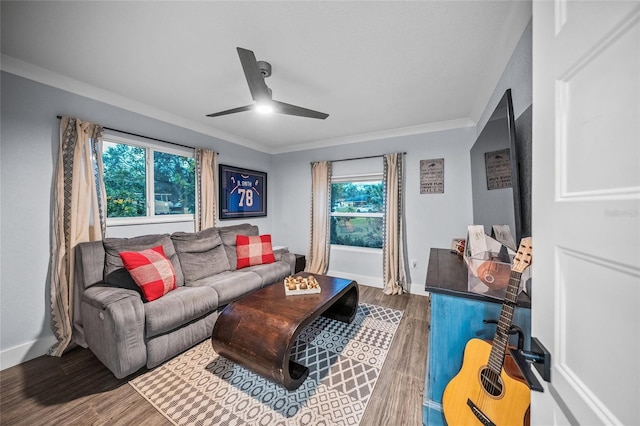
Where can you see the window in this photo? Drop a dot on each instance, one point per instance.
(133, 170)
(357, 211)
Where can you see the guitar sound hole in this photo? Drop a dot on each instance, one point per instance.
(491, 382)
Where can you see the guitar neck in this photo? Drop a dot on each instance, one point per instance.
(501, 338)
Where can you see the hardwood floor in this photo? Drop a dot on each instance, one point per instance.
(78, 390)
(397, 397)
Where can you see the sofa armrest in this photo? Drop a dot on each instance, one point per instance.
(288, 257)
(89, 268)
(113, 320)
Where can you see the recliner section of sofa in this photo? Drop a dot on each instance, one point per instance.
(125, 332)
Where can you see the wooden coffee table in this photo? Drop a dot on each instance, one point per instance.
(259, 330)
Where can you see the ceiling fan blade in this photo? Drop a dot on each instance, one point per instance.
(232, 111)
(255, 80)
(289, 109)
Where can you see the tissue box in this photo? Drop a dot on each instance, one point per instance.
(489, 275)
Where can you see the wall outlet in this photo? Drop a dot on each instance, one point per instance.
(414, 264)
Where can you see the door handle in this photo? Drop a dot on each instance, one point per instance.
(541, 359)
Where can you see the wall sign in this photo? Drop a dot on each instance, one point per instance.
(432, 176)
(243, 193)
(498, 165)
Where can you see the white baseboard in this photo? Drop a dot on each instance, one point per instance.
(30, 350)
(361, 279)
(25, 352)
(418, 289)
(414, 288)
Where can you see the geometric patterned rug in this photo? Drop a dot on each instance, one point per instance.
(199, 387)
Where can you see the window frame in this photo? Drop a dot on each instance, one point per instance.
(150, 148)
(357, 178)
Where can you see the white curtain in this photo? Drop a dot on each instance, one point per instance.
(318, 259)
(77, 215)
(206, 166)
(394, 273)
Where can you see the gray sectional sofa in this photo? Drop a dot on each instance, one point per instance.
(125, 332)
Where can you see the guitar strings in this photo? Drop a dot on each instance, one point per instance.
(490, 376)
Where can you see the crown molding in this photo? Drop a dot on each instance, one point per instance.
(383, 134)
(42, 75)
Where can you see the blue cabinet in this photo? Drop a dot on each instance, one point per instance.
(457, 316)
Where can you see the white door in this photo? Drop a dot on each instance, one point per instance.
(586, 210)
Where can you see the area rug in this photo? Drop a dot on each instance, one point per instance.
(199, 387)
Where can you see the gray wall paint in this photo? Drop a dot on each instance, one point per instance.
(524, 139)
(431, 220)
(29, 143)
(28, 150)
(494, 206)
(517, 77)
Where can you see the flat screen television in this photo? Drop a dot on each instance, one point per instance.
(494, 172)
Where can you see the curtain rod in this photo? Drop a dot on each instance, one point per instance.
(142, 136)
(359, 158)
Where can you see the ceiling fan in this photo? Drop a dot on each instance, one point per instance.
(255, 72)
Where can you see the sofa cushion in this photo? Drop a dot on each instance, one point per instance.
(231, 285)
(271, 272)
(254, 250)
(151, 271)
(201, 254)
(114, 271)
(167, 345)
(178, 308)
(228, 235)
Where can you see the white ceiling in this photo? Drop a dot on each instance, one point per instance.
(378, 68)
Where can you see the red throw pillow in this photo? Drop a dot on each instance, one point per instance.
(254, 250)
(151, 270)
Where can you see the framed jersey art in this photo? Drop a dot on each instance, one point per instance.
(243, 193)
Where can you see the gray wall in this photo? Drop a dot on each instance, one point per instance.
(29, 147)
(517, 76)
(28, 153)
(491, 207)
(29, 143)
(432, 220)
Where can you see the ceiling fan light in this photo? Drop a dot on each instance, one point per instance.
(264, 107)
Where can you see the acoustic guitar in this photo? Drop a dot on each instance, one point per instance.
(482, 393)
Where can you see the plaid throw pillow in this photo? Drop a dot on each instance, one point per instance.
(254, 250)
(151, 270)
